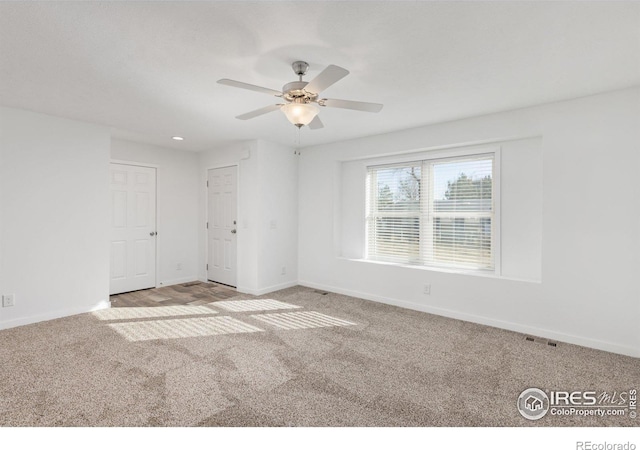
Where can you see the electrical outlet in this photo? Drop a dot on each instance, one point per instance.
(284, 270)
(179, 266)
(427, 289)
(8, 300)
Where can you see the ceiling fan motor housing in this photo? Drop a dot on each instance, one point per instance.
(294, 92)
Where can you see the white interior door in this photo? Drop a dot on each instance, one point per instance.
(221, 225)
(133, 228)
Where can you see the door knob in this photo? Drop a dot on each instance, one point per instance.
(153, 233)
(233, 231)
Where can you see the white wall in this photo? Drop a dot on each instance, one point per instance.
(267, 196)
(277, 216)
(588, 151)
(177, 206)
(54, 252)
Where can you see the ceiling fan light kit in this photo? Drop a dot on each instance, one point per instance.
(303, 98)
(300, 114)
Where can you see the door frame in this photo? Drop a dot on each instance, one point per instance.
(206, 219)
(157, 227)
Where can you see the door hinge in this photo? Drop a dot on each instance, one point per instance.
(207, 183)
(207, 266)
(207, 225)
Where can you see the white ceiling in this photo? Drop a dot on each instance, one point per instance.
(149, 69)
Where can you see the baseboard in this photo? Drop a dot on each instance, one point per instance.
(267, 290)
(177, 281)
(511, 326)
(53, 315)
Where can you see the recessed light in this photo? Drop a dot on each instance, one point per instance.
(177, 138)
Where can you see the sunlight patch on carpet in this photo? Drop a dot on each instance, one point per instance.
(253, 305)
(181, 328)
(300, 320)
(156, 311)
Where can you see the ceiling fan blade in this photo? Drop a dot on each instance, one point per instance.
(348, 104)
(259, 112)
(316, 123)
(330, 75)
(251, 87)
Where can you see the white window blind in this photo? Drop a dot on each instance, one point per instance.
(435, 212)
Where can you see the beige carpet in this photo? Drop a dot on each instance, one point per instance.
(304, 360)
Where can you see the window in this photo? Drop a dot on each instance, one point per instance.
(436, 212)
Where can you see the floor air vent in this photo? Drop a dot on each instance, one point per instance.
(539, 340)
(321, 292)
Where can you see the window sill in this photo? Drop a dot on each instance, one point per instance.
(475, 273)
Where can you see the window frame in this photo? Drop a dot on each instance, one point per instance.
(426, 159)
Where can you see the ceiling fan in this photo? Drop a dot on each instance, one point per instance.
(302, 98)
